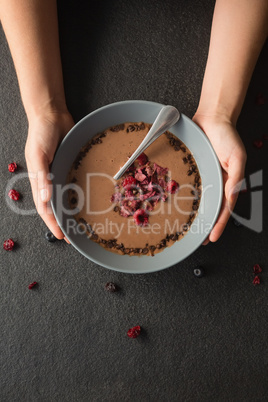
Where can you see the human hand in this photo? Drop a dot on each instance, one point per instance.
(44, 134)
(232, 156)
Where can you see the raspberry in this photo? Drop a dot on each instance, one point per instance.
(142, 159)
(12, 167)
(260, 99)
(134, 332)
(14, 195)
(258, 144)
(172, 187)
(256, 280)
(32, 285)
(257, 269)
(8, 244)
(111, 287)
(141, 217)
(129, 182)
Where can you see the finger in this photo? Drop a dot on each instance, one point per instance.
(233, 182)
(41, 188)
(205, 242)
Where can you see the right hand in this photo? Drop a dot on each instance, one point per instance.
(44, 135)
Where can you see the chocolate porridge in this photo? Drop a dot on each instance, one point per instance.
(154, 203)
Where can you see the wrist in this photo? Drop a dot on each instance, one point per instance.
(46, 107)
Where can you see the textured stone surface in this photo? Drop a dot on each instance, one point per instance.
(202, 339)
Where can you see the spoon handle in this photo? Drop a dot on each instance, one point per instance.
(165, 119)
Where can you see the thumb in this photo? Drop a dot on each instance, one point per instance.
(38, 167)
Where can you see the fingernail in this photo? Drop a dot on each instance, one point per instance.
(67, 241)
(43, 195)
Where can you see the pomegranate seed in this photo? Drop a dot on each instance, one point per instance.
(134, 332)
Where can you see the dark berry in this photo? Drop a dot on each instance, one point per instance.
(14, 195)
(258, 143)
(236, 223)
(199, 272)
(134, 332)
(50, 237)
(129, 182)
(257, 269)
(32, 285)
(260, 99)
(265, 137)
(256, 280)
(8, 245)
(111, 287)
(141, 217)
(172, 187)
(12, 167)
(142, 159)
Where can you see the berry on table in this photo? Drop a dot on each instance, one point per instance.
(111, 287)
(12, 167)
(8, 245)
(14, 195)
(257, 269)
(33, 285)
(199, 271)
(258, 143)
(49, 236)
(134, 332)
(256, 280)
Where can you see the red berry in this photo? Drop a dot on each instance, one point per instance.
(256, 280)
(134, 332)
(8, 244)
(12, 167)
(141, 217)
(172, 187)
(32, 285)
(258, 143)
(260, 99)
(142, 159)
(265, 136)
(129, 182)
(14, 195)
(257, 269)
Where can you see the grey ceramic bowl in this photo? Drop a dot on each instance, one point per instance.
(207, 162)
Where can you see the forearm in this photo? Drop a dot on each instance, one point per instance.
(239, 30)
(31, 29)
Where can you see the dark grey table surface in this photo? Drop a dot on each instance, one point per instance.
(202, 339)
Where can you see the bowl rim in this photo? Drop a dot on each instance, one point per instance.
(167, 265)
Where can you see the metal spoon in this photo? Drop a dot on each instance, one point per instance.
(165, 119)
